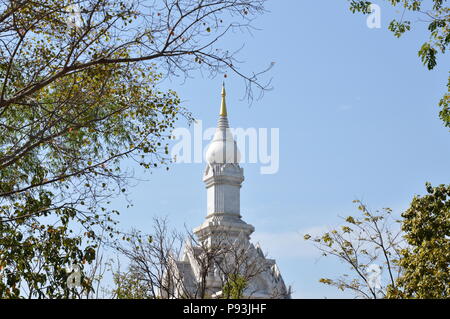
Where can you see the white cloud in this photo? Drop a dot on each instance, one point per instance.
(345, 107)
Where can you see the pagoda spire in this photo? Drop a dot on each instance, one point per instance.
(223, 105)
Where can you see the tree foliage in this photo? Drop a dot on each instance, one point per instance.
(370, 245)
(426, 260)
(130, 285)
(34, 258)
(416, 258)
(79, 93)
(437, 15)
(234, 287)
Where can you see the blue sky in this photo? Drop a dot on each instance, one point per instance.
(358, 119)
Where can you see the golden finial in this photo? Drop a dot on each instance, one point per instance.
(223, 105)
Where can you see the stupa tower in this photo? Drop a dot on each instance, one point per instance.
(223, 178)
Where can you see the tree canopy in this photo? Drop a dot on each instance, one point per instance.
(79, 93)
(437, 15)
(426, 259)
(415, 260)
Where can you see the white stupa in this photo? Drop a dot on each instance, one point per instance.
(224, 227)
